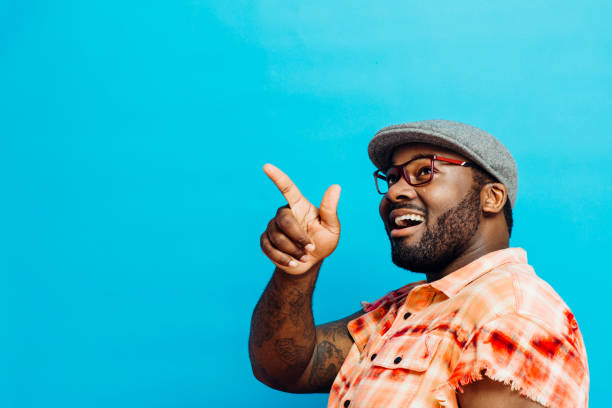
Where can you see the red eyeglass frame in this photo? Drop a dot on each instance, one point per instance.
(382, 176)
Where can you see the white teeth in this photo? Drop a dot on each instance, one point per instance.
(401, 220)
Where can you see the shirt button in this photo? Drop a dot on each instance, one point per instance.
(397, 360)
(373, 357)
(407, 315)
(347, 403)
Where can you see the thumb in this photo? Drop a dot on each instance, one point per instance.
(329, 209)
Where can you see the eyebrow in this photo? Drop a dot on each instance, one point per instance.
(418, 156)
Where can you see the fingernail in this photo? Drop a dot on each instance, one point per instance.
(293, 263)
(309, 247)
(304, 258)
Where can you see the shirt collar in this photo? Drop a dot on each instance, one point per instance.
(384, 309)
(452, 283)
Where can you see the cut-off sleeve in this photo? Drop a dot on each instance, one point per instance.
(542, 365)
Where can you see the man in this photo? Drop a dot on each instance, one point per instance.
(482, 331)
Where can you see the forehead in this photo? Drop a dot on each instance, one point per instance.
(408, 151)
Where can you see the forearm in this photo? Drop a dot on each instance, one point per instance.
(282, 336)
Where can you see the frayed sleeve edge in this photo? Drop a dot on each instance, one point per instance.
(482, 370)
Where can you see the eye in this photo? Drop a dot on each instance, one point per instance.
(392, 176)
(423, 171)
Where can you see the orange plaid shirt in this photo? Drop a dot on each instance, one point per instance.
(419, 344)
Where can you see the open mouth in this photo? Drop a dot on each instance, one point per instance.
(408, 220)
(404, 223)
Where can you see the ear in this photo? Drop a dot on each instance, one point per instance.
(493, 197)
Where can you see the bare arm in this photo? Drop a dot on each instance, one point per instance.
(333, 342)
(487, 393)
(282, 329)
(287, 351)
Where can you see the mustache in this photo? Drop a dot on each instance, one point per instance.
(409, 206)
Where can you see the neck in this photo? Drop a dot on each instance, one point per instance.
(478, 248)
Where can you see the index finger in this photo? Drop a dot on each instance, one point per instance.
(284, 184)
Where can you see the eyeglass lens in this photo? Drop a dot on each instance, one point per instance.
(418, 171)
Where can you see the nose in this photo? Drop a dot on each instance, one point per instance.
(401, 191)
(398, 192)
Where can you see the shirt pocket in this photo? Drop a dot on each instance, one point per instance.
(413, 353)
(398, 368)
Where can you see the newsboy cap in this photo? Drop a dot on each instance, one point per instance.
(474, 144)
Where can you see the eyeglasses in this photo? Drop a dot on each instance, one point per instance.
(416, 172)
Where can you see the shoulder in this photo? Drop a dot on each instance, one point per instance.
(538, 301)
(515, 289)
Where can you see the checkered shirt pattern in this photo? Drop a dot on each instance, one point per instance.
(418, 345)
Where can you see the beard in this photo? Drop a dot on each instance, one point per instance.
(442, 243)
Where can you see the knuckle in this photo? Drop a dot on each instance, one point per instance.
(274, 254)
(274, 239)
(265, 246)
(286, 188)
(263, 239)
(271, 226)
(285, 222)
(283, 209)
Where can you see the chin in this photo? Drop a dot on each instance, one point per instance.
(419, 258)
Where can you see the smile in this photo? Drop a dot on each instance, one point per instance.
(408, 220)
(404, 222)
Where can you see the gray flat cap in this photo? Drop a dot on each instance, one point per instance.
(474, 144)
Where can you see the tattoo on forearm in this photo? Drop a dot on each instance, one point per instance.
(268, 316)
(290, 353)
(327, 361)
(275, 307)
(297, 303)
(308, 326)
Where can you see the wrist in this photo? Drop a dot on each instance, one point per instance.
(307, 276)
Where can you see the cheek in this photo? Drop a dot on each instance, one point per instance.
(437, 200)
(442, 198)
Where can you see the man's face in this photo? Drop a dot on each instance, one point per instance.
(449, 206)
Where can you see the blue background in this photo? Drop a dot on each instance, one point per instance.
(132, 136)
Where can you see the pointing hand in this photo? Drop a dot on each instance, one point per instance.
(300, 235)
